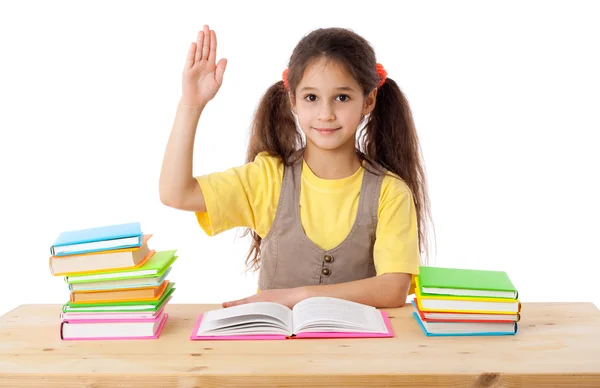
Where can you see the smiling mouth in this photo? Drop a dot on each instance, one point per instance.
(326, 130)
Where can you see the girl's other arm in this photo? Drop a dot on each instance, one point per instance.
(387, 290)
(383, 291)
(201, 80)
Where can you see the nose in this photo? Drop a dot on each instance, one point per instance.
(326, 112)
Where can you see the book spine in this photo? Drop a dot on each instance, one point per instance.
(50, 266)
(61, 330)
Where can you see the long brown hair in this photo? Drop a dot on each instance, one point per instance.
(389, 137)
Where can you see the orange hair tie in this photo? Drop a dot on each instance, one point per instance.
(284, 76)
(381, 73)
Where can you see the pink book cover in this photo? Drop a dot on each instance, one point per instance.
(384, 315)
(111, 315)
(162, 318)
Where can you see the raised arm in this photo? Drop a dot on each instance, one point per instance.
(201, 81)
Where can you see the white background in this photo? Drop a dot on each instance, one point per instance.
(505, 97)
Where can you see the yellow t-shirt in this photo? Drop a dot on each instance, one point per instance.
(248, 195)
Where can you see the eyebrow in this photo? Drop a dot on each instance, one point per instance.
(346, 88)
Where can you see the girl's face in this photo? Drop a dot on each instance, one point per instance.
(329, 104)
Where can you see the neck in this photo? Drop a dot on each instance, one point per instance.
(331, 164)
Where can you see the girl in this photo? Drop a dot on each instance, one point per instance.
(337, 212)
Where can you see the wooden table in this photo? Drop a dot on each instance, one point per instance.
(557, 344)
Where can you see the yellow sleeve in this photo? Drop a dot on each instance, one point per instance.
(244, 196)
(396, 246)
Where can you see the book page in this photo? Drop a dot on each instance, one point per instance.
(322, 314)
(247, 318)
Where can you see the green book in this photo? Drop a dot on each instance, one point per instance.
(155, 266)
(465, 282)
(120, 306)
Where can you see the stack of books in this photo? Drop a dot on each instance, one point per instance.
(465, 302)
(118, 285)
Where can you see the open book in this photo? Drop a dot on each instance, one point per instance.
(317, 317)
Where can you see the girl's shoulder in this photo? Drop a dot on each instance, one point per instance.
(268, 159)
(393, 186)
(270, 164)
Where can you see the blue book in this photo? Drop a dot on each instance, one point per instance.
(98, 239)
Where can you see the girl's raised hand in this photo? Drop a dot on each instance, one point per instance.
(202, 78)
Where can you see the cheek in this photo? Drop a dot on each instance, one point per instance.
(305, 115)
(350, 115)
(303, 120)
(306, 110)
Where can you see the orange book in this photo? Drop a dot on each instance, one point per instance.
(446, 316)
(101, 261)
(145, 294)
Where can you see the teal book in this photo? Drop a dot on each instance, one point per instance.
(465, 282)
(98, 239)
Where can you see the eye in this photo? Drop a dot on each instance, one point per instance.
(309, 96)
(313, 98)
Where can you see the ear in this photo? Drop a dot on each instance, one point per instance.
(370, 102)
(292, 102)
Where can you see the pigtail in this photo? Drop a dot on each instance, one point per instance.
(274, 131)
(274, 127)
(390, 139)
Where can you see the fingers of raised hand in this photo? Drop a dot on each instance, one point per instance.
(189, 61)
(206, 43)
(199, 43)
(212, 54)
